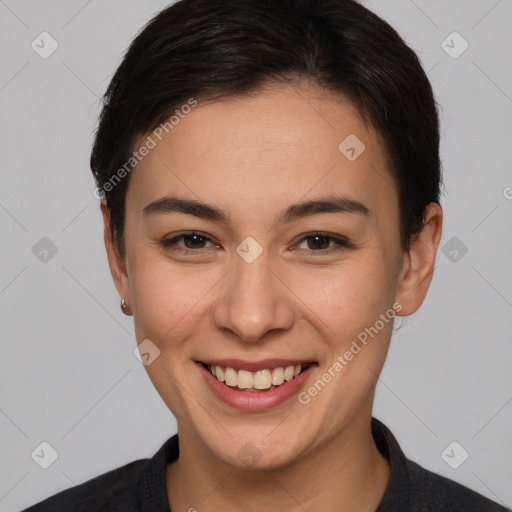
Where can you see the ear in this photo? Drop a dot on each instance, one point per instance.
(419, 261)
(115, 261)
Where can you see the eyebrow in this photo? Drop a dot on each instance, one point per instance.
(329, 204)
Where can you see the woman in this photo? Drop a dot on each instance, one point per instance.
(270, 180)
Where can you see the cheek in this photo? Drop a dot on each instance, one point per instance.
(352, 308)
(345, 299)
(168, 302)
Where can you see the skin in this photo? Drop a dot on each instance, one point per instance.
(253, 157)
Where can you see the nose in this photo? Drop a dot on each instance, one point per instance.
(253, 301)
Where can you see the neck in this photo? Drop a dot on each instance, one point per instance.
(344, 474)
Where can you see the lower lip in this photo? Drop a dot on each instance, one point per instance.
(255, 401)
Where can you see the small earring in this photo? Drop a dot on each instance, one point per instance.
(125, 308)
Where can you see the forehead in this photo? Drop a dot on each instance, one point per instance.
(287, 143)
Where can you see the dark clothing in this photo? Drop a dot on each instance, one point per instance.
(140, 486)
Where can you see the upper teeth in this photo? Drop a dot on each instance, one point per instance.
(262, 379)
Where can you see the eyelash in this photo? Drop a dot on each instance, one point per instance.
(339, 243)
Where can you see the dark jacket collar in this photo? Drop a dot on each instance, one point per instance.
(398, 491)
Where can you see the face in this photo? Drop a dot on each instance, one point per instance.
(289, 255)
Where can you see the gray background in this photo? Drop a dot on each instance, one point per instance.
(68, 373)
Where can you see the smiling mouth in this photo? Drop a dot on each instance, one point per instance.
(258, 381)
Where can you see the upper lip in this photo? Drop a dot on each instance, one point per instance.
(252, 366)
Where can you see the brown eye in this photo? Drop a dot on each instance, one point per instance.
(192, 242)
(318, 242)
(323, 243)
